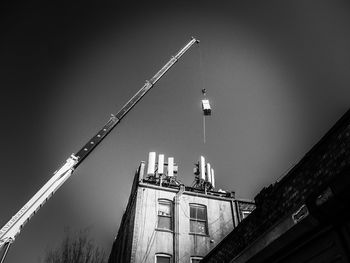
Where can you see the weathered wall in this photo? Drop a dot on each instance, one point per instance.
(139, 240)
(147, 240)
(220, 223)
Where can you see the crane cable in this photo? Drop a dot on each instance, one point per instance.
(204, 129)
(204, 96)
(202, 84)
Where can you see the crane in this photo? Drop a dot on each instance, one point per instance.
(13, 227)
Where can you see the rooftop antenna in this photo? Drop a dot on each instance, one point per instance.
(161, 173)
(204, 176)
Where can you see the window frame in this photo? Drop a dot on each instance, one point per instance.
(164, 255)
(195, 258)
(205, 221)
(245, 214)
(163, 201)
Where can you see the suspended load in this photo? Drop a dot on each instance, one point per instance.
(205, 104)
(206, 110)
(206, 107)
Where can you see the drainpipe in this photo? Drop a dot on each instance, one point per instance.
(177, 222)
(237, 212)
(234, 213)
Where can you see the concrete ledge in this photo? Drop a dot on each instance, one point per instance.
(286, 225)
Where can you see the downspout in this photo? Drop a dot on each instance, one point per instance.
(234, 213)
(238, 212)
(177, 223)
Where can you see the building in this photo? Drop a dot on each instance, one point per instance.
(166, 221)
(304, 217)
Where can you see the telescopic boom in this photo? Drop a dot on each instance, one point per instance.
(13, 227)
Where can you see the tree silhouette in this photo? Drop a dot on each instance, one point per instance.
(76, 248)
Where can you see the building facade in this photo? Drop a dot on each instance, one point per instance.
(166, 221)
(304, 217)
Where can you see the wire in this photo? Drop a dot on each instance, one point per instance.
(144, 219)
(151, 240)
(209, 224)
(201, 67)
(188, 254)
(184, 212)
(202, 85)
(149, 245)
(204, 129)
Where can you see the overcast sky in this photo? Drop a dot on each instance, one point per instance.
(277, 76)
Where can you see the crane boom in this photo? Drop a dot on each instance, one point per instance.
(13, 227)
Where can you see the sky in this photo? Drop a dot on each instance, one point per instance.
(277, 75)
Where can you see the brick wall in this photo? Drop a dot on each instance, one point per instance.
(325, 161)
(121, 250)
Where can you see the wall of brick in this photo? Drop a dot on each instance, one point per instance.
(326, 160)
(121, 249)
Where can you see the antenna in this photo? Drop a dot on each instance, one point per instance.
(202, 168)
(208, 177)
(156, 173)
(161, 164)
(171, 166)
(204, 175)
(151, 164)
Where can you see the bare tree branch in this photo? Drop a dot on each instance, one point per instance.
(76, 248)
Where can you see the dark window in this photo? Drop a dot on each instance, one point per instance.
(165, 214)
(196, 259)
(198, 219)
(162, 258)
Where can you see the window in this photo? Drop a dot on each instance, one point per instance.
(196, 259)
(163, 258)
(245, 214)
(165, 215)
(198, 219)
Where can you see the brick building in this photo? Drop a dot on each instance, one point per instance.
(303, 217)
(166, 221)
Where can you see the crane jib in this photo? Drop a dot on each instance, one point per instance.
(14, 225)
(94, 141)
(113, 121)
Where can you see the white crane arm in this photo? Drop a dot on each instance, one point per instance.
(13, 227)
